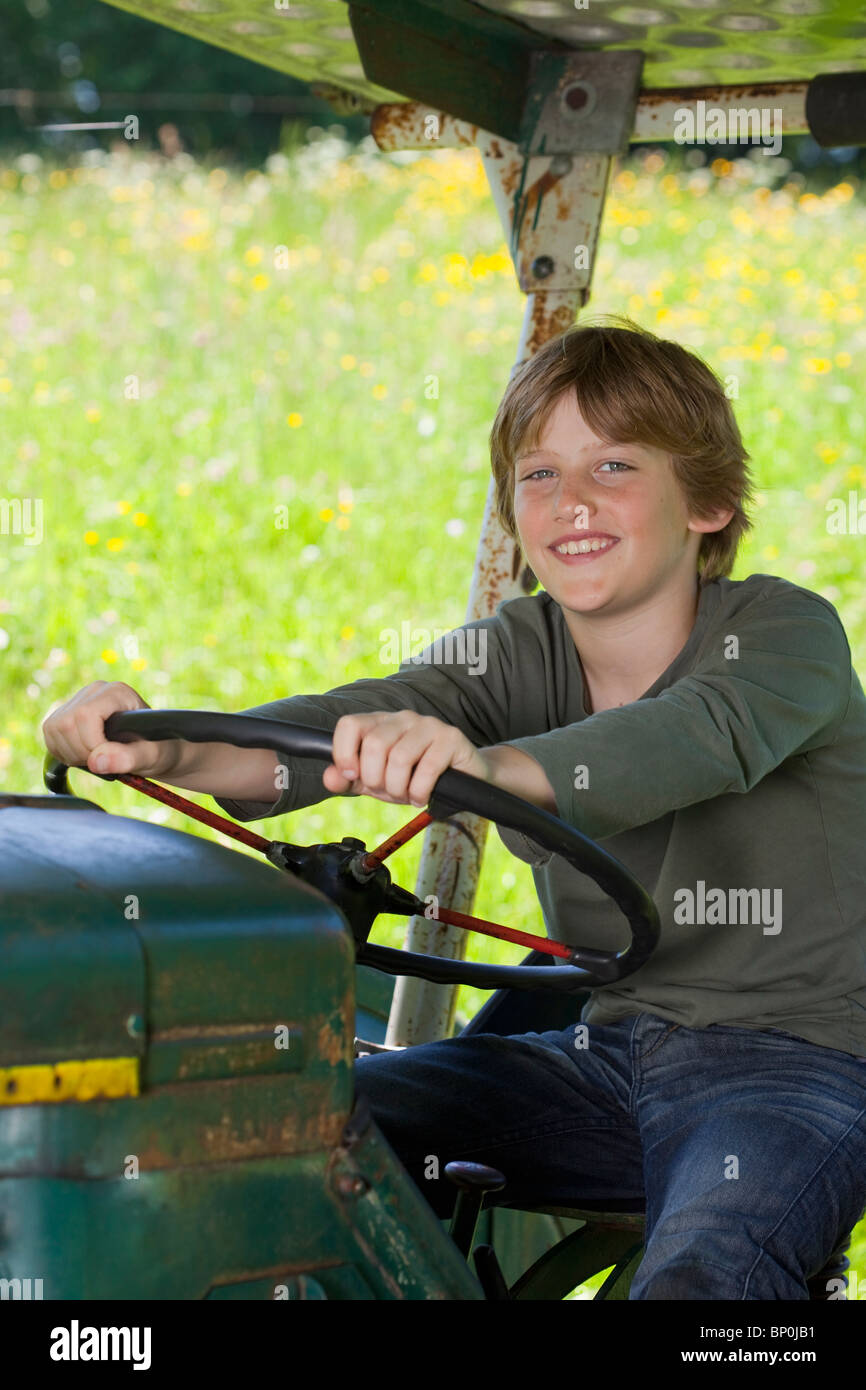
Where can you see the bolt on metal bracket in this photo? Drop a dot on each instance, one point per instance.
(580, 103)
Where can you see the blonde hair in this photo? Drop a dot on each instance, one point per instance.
(633, 388)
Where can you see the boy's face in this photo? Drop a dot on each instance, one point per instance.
(576, 487)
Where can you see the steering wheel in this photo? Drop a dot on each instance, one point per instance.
(362, 892)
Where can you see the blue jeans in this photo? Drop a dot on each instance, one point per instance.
(747, 1147)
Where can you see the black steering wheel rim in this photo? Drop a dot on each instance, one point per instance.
(453, 792)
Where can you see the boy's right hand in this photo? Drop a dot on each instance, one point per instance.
(75, 733)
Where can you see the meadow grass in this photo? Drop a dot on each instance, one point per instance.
(255, 406)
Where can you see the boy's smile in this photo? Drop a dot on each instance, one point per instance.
(586, 547)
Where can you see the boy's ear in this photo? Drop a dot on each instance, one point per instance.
(716, 521)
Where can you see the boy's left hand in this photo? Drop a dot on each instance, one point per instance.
(398, 756)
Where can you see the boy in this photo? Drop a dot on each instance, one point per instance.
(713, 735)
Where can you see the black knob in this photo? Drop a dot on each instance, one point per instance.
(473, 1181)
(474, 1177)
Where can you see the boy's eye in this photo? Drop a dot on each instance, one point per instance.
(609, 463)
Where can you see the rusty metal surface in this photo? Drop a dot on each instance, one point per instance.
(404, 125)
(397, 1235)
(184, 1125)
(412, 125)
(555, 219)
(346, 1222)
(691, 42)
(656, 116)
(549, 314)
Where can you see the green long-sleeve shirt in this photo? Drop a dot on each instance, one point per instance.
(734, 789)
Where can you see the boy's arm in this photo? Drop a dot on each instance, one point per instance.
(220, 768)
(718, 730)
(470, 694)
(517, 772)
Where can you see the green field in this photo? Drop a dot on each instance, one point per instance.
(193, 356)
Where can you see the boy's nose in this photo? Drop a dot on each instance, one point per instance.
(572, 511)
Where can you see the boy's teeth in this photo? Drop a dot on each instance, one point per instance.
(582, 547)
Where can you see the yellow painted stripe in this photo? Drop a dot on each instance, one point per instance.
(98, 1078)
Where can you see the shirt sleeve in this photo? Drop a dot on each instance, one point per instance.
(782, 689)
(460, 678)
